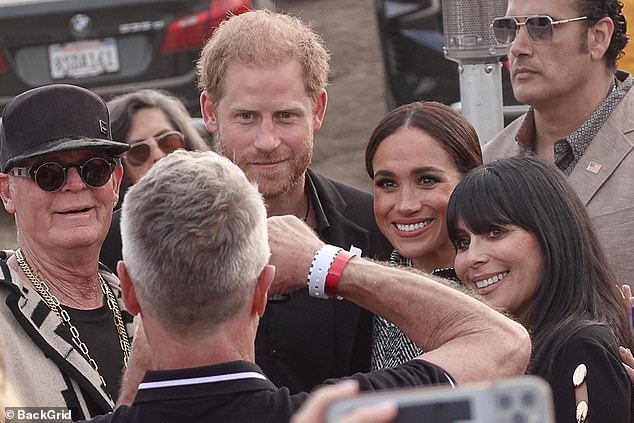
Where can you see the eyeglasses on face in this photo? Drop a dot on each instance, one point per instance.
(539, 27)
(168, 142)
(51, 176)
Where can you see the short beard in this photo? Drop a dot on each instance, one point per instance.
(275, 184)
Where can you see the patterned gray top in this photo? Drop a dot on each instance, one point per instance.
(390, 346)
(568, 151)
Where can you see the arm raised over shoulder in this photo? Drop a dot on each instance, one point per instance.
(467, 338)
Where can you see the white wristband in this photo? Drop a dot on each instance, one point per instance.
(319, 270)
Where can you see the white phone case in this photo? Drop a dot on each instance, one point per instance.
(527, 399)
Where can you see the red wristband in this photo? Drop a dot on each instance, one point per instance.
(335, 271)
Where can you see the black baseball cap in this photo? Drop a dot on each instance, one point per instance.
(54, 118)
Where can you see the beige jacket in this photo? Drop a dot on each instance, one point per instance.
(43, 367)
(603, 179)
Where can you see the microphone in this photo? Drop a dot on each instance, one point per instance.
(467, 30)
(469, 41)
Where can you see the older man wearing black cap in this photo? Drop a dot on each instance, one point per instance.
(63, 326)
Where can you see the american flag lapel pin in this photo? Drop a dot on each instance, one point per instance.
(594, 167)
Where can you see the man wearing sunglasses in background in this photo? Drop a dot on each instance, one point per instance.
(562, 58)
(63, 326)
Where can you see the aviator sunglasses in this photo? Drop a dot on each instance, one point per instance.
(539, 27)
(167, 142)
(51, 176)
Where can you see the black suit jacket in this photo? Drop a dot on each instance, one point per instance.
(304, 341)
(110, 253)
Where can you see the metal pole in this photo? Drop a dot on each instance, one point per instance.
(470, 42)
(481, 98)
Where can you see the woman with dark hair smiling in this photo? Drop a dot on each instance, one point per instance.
(416, 156)
(525, 243)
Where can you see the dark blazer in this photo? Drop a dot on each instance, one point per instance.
(110, 253)
(304, 341)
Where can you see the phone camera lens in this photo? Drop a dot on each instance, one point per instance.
(505, 402)
(528, 399)
(519, 418)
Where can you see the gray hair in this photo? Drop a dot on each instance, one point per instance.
(123, 108)
(194, 237)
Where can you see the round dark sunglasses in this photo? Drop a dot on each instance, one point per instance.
(539, 27)
(51, 176)
(168, 142)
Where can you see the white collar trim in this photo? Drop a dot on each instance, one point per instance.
(201, 380)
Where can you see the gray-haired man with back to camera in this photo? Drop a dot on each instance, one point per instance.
(201, 305)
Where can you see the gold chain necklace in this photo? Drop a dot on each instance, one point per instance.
(54, 304)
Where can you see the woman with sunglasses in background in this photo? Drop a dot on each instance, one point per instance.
(525, 243)
(416, 156)
(155, 124)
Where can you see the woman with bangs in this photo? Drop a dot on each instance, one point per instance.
(415, 157)
(525, 243)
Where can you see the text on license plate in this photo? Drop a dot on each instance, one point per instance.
(83, 58)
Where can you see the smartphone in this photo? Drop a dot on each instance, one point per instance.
(527, 399)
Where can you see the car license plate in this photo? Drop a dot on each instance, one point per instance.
(83, 58)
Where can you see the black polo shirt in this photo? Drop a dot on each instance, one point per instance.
(239, 392)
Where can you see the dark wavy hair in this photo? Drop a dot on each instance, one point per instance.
(578, 288)
(453, 132)
(597, 9)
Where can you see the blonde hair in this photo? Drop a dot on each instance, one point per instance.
(263, 37)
